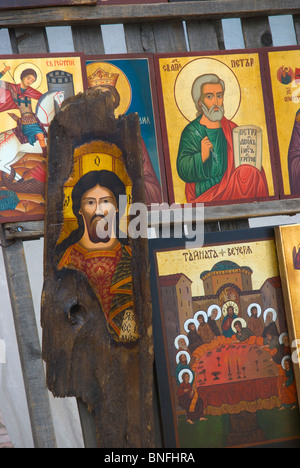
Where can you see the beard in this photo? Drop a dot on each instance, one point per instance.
(100, 228)
(214, 114)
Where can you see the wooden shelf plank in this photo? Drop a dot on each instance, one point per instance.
(28, 230)
(28, 343)
(35, 229)
(113, 14)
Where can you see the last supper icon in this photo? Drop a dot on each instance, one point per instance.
(217, 144)
(226, 342)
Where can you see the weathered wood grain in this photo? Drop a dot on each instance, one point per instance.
(29, 41)
(113, 14)
(203, 35)
(20, 4)
(88, 39)
(139, 38)
(28, 230)
(28, 343)
(257, 33)
(113, 379)
(289, 207)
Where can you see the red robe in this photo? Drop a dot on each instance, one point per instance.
(244, 182)
(109, 273)
(11, 91)
(6, 99)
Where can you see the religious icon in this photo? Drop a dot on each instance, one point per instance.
(31, 91)
(285, 75)
(130, 79)
(284, 82)
(287, 243)
(223, 351)
(96, 310)
(217, 145)
(296, 257)
(90, 238)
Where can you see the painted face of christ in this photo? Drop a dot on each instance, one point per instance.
(98, 207)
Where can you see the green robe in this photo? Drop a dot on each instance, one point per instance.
(189, 161)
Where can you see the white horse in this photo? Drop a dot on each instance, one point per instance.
(11, 150)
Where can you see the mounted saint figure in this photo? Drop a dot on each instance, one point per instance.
(19, 96)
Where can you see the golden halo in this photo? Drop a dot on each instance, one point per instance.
(23, 66)
(239, 319)
(285, 358)
(122, 86)
(200, 312)
(186, 324)
(187, 355)
(228, 304)
(185, 371)
(201, 66)
(184, 337)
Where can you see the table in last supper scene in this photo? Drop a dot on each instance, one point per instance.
(238, 378)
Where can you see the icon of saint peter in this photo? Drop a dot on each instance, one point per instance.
(205, 159)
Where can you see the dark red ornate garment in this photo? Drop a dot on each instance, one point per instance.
(109, 273)
(12, 95)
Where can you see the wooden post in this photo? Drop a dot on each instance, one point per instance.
(28, 342)
(86, 355)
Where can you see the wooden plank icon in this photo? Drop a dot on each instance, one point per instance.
(96, 306)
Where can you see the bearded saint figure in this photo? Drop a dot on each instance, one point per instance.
(96, 250)
(205, 158)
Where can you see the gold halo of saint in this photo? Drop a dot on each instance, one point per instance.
(187, 355)
(93, 156)
(186, 371)
(258, 307)
(24, 66)
(180, 337)
(106, 74)
(204, 315)
(285, 358)
(187, 323)
(230, 304)
(202, 66)
(241, 320)
(268, 311)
